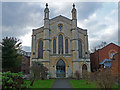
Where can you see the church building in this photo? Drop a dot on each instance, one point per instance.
(61, 46)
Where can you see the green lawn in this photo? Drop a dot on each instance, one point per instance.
(0, 79)
(41, 83)
(82, 84)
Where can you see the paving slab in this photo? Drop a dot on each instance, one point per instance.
(62, 83)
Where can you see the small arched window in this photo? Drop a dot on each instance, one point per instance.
(60, 26)
(80, 48)
(66, 46)
(54, 46)
(60, 44)
(84, 68)
(40, 49)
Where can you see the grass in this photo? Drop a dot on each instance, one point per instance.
(40, 83)
(82, 84)
(116, 86)
(0, 79)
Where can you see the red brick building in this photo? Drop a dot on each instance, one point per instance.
(110, 51)
(25, 67)
(115, 64)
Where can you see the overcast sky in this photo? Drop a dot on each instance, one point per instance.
(99, 18)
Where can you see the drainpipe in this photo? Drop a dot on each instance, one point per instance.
(98, 59)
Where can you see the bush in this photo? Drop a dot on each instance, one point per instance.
(104, 78)
(77, 74)
(39, 71)
(86, 75)
(12, 80)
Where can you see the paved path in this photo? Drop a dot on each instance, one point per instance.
(62, 83)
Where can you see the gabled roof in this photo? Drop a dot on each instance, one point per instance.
(105, 60)
(39, 28)
(83, 31)
(106, 63)
(111, 44)
(114, 44)
(60, 18)
(108, 46)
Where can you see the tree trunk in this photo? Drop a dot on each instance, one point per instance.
(32, 81)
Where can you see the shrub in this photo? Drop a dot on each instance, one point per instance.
(86, 75)
(77, 74)
(44, 73)
(12, 80)
(104, 78)
(39, 71)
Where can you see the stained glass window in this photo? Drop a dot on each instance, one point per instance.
(60, 44)
(54, 46)
(60, 26)
(40, 49)
(80, 48)
(66, 46)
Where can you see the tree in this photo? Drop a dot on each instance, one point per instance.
(101, 45)
(11, 59)
(38, 71)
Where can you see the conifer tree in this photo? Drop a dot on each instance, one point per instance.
(11, 59)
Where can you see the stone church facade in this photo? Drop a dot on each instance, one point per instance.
(61, 46)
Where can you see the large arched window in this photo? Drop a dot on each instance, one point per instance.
(80, 48)
(66, 46)
(60, 44)
(54, 46)
(40, 49)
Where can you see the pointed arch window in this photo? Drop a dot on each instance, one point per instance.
(60, 44)
(54, 46)
(84, 68)
(80, 48)
(40, 49)
(66, 45)
(60, 68)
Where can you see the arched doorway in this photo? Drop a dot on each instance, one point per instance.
(60, 69)
(84, 68)
(84, 71)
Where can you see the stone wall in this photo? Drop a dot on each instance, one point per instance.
(69, 31)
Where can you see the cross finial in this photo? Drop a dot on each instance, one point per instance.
(46, 5)
(73, 5)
